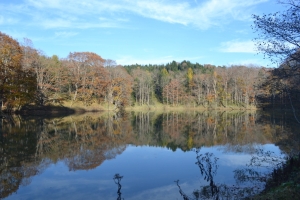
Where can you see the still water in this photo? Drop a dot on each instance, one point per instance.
(149, 155)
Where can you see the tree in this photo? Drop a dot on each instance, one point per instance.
(143, 88)
(279, 33)
(119, 87)
(87, 76)
(15, 83)
(164, 79)
(174, 92)
(34, 60)
(198, 91)
(279, 40)
(190, 81)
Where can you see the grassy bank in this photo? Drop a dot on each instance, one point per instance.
(162, 107)
(79, 107)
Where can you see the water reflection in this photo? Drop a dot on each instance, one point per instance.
(208, 166)
(29, 146)
(117, 178)
(249, 179)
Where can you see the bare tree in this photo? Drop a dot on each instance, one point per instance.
(279, 33)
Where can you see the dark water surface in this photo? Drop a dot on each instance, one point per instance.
(142, 155)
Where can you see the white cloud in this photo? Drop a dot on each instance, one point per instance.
(244, 31)
(236, 46)
(65, 34)
(56, 23)
(74, 13)
(235, 160)
(167, 191)
(172, 13)
(210, 13)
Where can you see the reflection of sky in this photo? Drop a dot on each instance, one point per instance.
(148, 173)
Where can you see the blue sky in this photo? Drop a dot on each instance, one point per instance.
(140, 31)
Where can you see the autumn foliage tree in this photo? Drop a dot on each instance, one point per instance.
(28, 75)
(87, 76)
(48, 73)
(118, 87)
(17, 85)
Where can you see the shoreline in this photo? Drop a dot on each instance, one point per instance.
(80, 109)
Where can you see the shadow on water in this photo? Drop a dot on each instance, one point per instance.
(47, 111)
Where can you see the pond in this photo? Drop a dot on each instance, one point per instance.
(142, 155)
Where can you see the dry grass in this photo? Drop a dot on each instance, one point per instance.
(161, 107)
(95, 107)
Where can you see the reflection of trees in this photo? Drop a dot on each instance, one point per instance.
(249, 180)
(262, 158)
(89, 159)
(188, 130)
(208, 166)
(117, 178)
(283, 128)
(17, 161)
(84, 142)
(27, 147)
(239, 132)
(257, 171)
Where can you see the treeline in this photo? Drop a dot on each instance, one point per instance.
(30, 77)
(191, 84)
(281, 87)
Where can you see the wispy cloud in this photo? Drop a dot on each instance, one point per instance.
(166, 192)
(76, 13)
(7, 20)
(209, 13)
(236, 46)
(65, 34)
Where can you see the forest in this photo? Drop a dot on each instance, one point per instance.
(30, 78)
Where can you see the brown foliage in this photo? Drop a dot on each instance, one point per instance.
(14, 89)
(87, 76)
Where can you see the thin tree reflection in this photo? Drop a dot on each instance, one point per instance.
(117, 178)
(208, 166)
(185, 197)
(263, 158)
